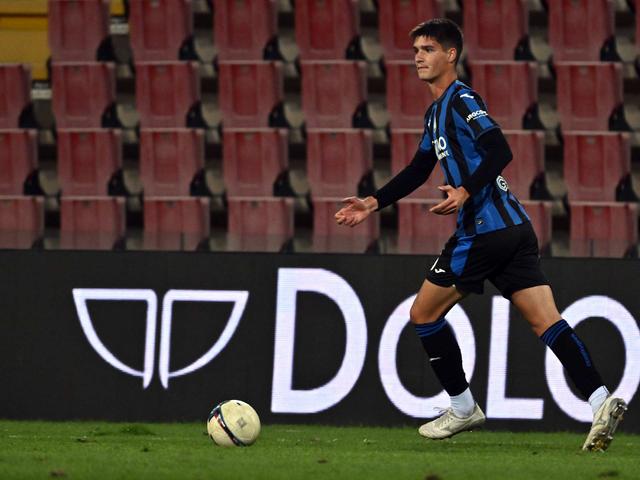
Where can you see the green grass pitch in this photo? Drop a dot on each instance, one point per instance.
(100, 450)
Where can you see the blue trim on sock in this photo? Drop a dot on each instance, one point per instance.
(582, 348)
(427, 329)
(552, 333)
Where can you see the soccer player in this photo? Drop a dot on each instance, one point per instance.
(493, 240)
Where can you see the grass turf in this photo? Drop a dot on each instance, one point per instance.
(99, 450)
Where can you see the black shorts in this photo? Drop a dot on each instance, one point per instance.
(507, 257)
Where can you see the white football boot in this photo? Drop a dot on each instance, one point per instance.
(448, 424)
(605, 422)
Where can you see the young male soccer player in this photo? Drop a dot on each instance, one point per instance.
(493, 240)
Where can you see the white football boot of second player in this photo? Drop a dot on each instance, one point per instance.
(605, 422)
(448, 424)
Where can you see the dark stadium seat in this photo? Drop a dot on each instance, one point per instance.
(496, 30)
(82, 93)
(419, 230)
(160, 30)
(582, 31)
(166, 93)
(510, 91)
(21, 221)
(18, 159)
(540, 214)
(177, 223)
(404, 143)
(77, 29)
(245, 30)
(15, 93)
(95, 223)
(88, 160)
(259, 223)
(328, 236)
(603, 229)
(407, 96)
(337, 161)
(595, 164)
(253, 159)
(326, 28)
(589, 95)
(332, 93)
(250, 93)
(527, 165)
(396, 18)
(169, 160)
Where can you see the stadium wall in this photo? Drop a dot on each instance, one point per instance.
(303, 338)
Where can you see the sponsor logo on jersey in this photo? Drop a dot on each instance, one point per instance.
(441, 148)
(477, 114)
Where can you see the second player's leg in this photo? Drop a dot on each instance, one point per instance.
(538, 307)
(433, 302)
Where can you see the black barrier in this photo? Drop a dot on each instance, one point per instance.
(303, 338)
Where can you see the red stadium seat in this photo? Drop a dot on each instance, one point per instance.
(77, 29)
(527, 165)
(166, 93)
(582, 31)
(396, 18)
(169, 160)
(249, 93)
(332, 92)
(259, 223)
(589, 95)
(328, 236)
(404, 143)
(18, 159)
(159, 28)
(242, 30)
(337, 161)
(15, 93)
(419, 230)
(21, 221)
(603, 229)
(82, 93)
(541, 219)
(325, 28)
(252, 160)
(496, 30)
(408, 97)
(595, 163)
(177, 223)
(95, 223)
(87, 161)
(509, 90)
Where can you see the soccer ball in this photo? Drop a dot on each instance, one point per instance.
(233, 423)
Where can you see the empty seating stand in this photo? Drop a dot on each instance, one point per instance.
(407, 96)
(21, 221)
(176, 223)
(94, 223)
(15, 93)
(260, 223)
(419, 230)
(525, 172)
(18, 160)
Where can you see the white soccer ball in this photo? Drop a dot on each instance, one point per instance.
(233, 423)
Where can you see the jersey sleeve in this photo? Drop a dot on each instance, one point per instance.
(472, 113)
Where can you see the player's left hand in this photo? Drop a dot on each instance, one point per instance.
(454, 201)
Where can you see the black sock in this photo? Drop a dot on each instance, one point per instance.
(444, 354)
(574, 356)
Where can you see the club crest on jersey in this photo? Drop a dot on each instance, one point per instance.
(502, 183)
(477, 114)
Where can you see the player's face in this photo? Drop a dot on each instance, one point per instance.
(432, 60)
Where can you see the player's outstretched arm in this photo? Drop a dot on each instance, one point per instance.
(355, 210)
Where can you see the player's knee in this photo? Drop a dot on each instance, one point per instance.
(419, 316)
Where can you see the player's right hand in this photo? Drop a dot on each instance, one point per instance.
(355, 211)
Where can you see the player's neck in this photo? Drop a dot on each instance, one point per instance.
(440, 84)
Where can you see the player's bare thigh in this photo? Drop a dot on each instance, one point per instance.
(537, 306)
(432, 302)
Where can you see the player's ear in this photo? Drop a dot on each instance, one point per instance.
(451, 55)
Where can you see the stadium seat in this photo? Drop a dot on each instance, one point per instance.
(83, 93)
(77, 29)
(396, 18)
(166, 93)
(419, 230)
(407, 96)
(496, 30)
(589, 96)
(541, 219)
(159, 29)
(333, 93)
(259, 223)
(170, 159)
(252, 160)
(23, 35)
(245, 30)
(338, 161)
(15, 93)
(177, 223)
(328, 236)
(510, 92)
(18, 159)
(95, 223)
(326, 29)
(582, 31)
(603, 229)
(525, 172)
(251, 94)
(21, 221)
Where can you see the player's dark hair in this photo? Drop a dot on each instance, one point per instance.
(443, 30)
